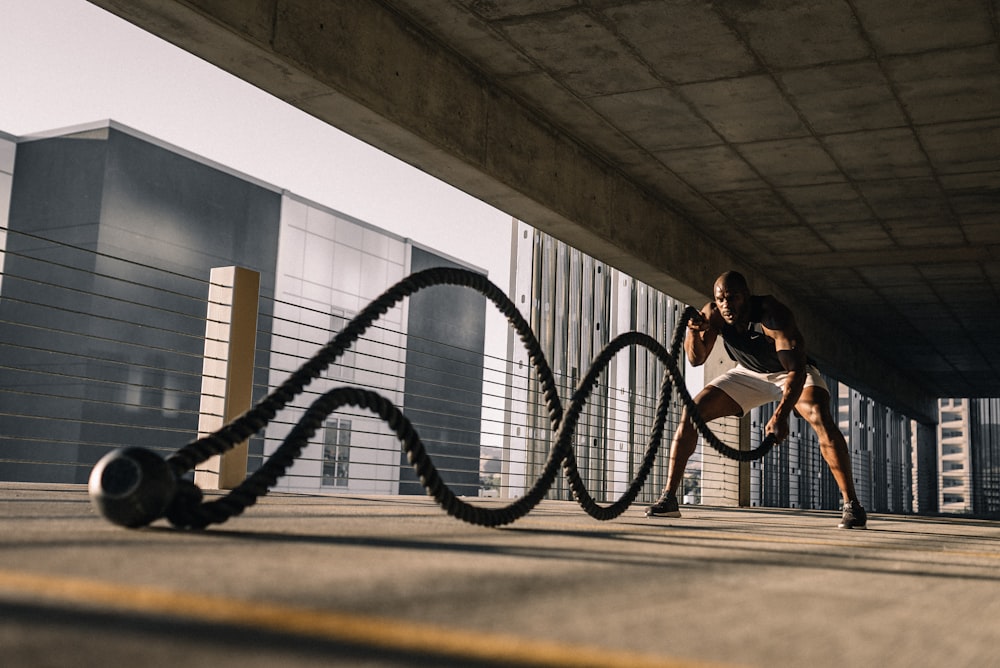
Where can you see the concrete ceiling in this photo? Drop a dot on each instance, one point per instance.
(848, 150)
(845, 153)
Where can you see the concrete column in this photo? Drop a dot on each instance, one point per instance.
(227, 371)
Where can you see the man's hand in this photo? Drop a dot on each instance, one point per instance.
(701, 335)
(698, 322)
(778, 426)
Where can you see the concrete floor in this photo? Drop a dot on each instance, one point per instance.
(393, 581)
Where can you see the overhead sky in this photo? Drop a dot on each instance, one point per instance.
(67, 62)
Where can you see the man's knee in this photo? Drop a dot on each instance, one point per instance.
(686, 435)
(822, 423)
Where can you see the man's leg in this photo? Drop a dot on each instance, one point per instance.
(712, 403)
(814, 407)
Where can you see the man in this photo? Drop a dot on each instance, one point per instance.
(761, 336)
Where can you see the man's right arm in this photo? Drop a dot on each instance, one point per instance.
(701, 335)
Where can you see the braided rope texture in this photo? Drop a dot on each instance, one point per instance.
(188, 510)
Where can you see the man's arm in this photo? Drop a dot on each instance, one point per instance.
(780, 325)
(702, 332)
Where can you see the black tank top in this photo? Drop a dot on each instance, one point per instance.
(752, 347)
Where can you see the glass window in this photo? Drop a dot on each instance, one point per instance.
(336, 452)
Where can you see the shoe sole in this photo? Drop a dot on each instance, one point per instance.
(673, 514)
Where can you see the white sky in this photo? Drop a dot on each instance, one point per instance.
(67, 62)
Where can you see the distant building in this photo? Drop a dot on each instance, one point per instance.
(102, 314)
(969, 457)
(576, 305)
(954, 456)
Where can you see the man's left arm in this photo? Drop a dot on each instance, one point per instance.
(780, 325)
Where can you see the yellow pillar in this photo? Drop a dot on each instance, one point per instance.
(227, 371)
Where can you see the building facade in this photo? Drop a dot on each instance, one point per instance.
(984, 422)
(954, 456)
(576, 305)
(969, 456)
(112, 235)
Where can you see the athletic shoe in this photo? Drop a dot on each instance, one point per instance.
(854, 517)
(665, 507)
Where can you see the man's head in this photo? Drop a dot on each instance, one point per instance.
(732, 296)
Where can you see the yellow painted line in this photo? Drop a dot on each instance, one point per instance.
(369, 631)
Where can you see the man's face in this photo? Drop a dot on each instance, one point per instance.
(732, 302)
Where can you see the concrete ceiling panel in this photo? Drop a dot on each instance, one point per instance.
(781, 240)
(754, 207)
(683, 41)
(886, 277)
(588, 58)
(501, 9)
(981, 230)
(790, 34)
(903, 198)
(472, 35)
(712, 169)
(857, 235)
(941, 87)
(969, 147)
(893, 153)
(924, 233)
(657, 118)
(906, 27)
(791, 162)
(827, 203)
(746, 109)
(844, 98)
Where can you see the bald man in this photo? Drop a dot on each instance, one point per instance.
(761, 336)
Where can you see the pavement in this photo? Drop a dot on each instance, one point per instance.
(394, 581)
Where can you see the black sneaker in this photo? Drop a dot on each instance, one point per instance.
(665, 507)
(854, 517)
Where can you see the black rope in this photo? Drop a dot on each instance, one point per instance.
(187, 508)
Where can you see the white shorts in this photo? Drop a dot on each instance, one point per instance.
(750, 389)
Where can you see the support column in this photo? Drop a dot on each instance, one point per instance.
(227, 371)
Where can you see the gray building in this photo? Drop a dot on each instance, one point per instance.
(112, 235)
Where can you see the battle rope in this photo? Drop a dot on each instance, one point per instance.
(133, 486)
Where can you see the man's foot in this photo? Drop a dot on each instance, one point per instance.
(854, 517)
(665, 507)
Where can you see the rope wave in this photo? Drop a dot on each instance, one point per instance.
(187, 509)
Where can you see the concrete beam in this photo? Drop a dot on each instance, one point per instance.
(367, 70)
